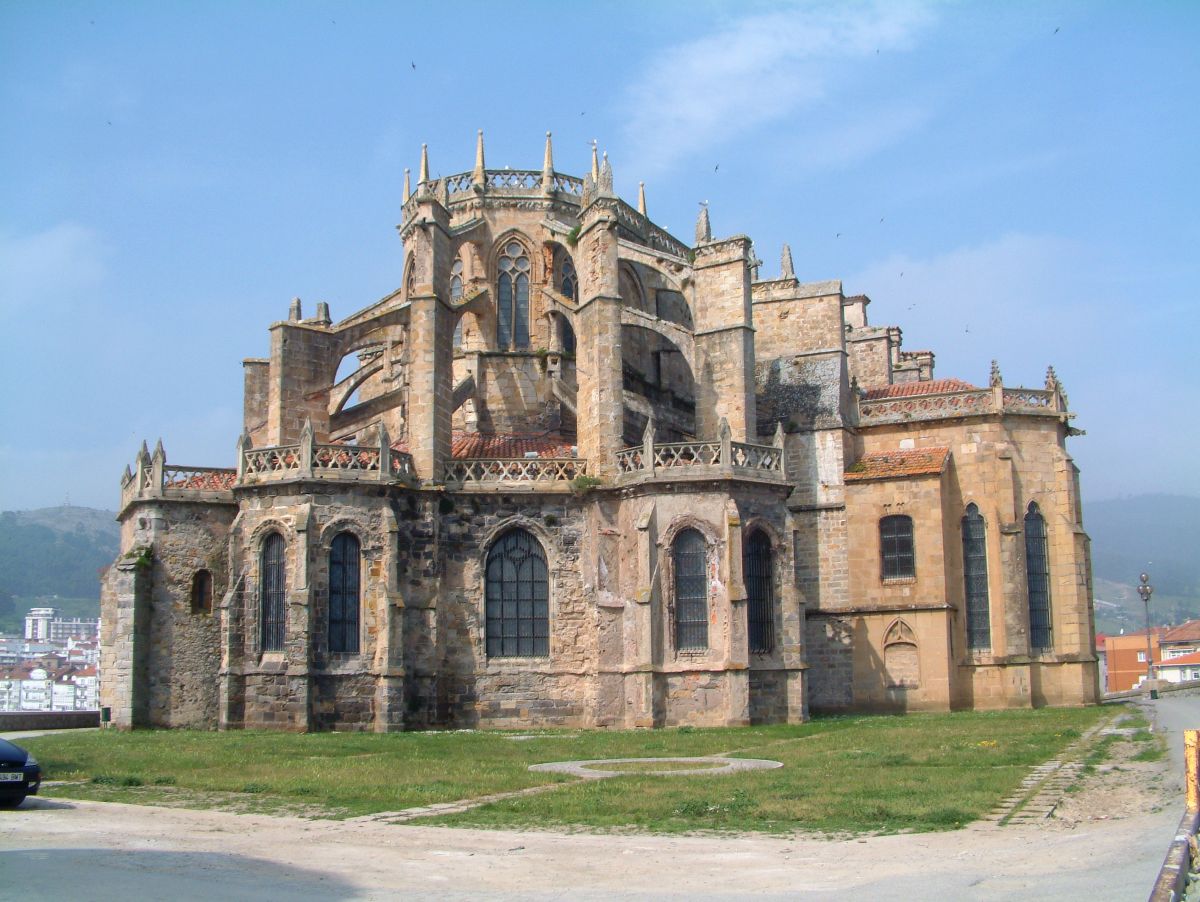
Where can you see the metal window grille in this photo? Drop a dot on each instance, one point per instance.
(760, 590)
(273, 593)
(691, 591)
(896, 544)
(344, 557)
(517, 598)
(975, 575)
(1037, 578)
(512, 298)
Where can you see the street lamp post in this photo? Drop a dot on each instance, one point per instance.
(1146, 590)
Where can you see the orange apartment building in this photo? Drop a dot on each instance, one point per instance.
(1125, 656)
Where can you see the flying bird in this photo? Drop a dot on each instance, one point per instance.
(1056, 31)
(715, 168)
(838, 235)
(414, 65)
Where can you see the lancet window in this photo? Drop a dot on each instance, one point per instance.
(272, 593)
(689, 557)
(760, 615)
(512, 298)
(975, 577)
(1037, 578)
(896, 545)
(344, 556)
(456, 293)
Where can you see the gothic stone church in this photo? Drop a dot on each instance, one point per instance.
(577, 472)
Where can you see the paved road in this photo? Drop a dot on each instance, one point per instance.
(53, 850)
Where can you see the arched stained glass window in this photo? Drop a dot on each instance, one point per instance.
(1037, 578)
(456, 293)
(517, 598)
(689, 556)
(512, 298)
(760, 614)
(896, 545)
(272, 593)
(344, 569)
(975, 577)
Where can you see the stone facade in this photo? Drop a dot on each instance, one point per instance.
(576, 472)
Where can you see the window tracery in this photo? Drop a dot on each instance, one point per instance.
(517, 597)
(272, 593)
(344, 556)
(689, 557)
(512, 298)
(975, 577)
(1037, 578)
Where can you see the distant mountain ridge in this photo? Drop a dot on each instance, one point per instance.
(56, 551)
(1159, 534)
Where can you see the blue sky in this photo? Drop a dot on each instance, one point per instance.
(1013, 180)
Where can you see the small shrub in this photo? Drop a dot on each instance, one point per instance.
(254, 788)
(582, 485)
(550, 520)
(573, 236)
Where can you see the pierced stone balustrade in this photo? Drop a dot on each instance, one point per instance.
(311, 460)
(542, 472)
(722, 458)
(941, 405)
(152, 478)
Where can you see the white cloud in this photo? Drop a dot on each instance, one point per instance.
(756, 70)
(49, 269)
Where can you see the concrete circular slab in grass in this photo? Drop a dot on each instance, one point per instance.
(657, 767)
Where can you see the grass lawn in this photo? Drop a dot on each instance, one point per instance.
(857, 774)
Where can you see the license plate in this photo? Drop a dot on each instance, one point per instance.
(12, 778)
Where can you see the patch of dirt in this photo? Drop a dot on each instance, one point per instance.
(1119, 787)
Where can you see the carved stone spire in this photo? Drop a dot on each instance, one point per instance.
(479, 178)
(548, 167)
(423, 173)
(703, 226)
(606, 176)
(407, 187)
(1051, 379)
(996, 378)
(595, 163)
(789, 271)
(642, 198)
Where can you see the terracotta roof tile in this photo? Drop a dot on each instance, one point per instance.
(1193, 658)
(1185, 632)
(897, 464)
(504, 445)
(911, 389)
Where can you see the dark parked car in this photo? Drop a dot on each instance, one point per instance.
(20, 774)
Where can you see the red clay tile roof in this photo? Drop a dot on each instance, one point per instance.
(205, 482)
(1193, 658)
(911, 389)
(899, 463)
(1185, 632)
(504, 445)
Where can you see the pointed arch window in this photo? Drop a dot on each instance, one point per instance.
(760, 614)
(975, 577)
(512, 298)
(517, 597)
(896, 546)
(344, 573)
(568, 281)
(456, 293)
(202, 592)
(272, 593)
(689, 555)
(1037, 578)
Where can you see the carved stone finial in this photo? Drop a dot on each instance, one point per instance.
(996, 378)
(1051, 379)
(294, 312)
(789, 271)
(588, 193)
(854, 389)
(779, 434)
(478, 177)
(407, 187)
(648, 432)
(243, 442)
(144, 454)
(703, 226)
(595, 163)
(642, 198)
(606, 176)
(323, 313)
(548, 158)
(443, 193)
(159, 453)
(723, 429)
(423, 172)
(127, 476)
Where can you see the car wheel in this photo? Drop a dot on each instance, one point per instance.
(11, 801)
